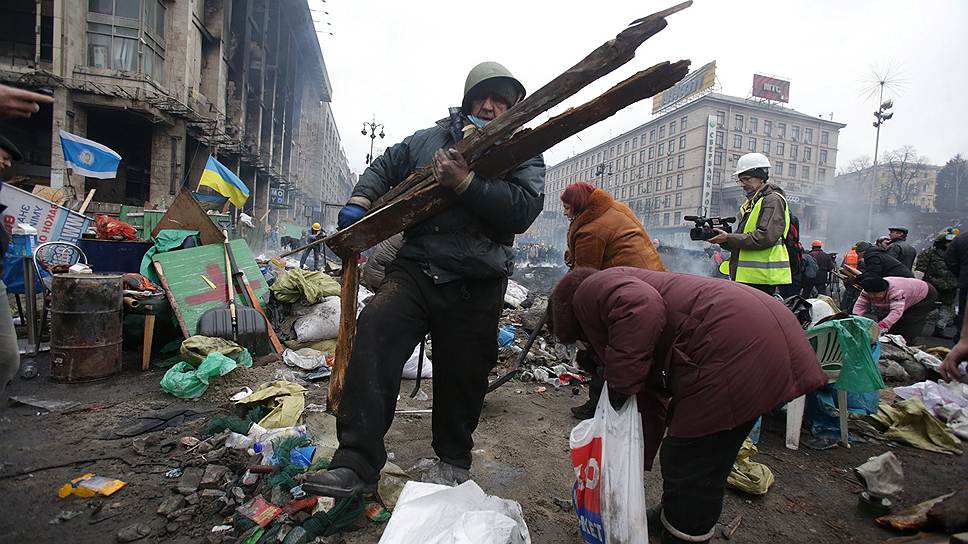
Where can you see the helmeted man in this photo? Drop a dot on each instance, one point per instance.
(449, 278)
(931, 263)
(900, 248)
(317, 233)
(825, 265)
(759, 257)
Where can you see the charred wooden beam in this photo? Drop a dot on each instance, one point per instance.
(606, 58)
(426, 200)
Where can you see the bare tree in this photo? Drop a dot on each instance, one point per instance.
(857, 164)
(905, 177)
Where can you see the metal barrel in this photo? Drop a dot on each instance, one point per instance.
(85, 327)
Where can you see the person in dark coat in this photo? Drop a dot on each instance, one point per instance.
(900, 248)
(825, 265)
(374, 269)
(449, 279)
(704, 358)
(956, 257)
(879, 264)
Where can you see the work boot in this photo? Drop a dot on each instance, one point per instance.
(339, 483)
(435, 471)
(585, 411)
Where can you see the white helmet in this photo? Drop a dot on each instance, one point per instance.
(750, 161)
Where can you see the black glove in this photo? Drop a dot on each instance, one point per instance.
(617, 399)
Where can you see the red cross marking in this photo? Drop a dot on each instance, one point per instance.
(217, 275)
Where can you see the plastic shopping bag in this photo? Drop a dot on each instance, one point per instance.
(608, 455)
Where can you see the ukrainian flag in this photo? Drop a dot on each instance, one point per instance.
(224, 182)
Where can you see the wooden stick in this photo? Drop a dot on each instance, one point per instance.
(427, 200)
(87, 202)
(603, 60)
(349, 292)
(171, 299)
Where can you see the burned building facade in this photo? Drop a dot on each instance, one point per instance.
(165, 83)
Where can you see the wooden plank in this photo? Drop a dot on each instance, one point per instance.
(428, 199)
(171, 298)
(608, 57)
(349, 292)
(185, 269)
(186, 213)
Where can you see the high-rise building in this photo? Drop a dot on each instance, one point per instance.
(683, 163)
(167, 83)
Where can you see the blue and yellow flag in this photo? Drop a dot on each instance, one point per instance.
(224, 182)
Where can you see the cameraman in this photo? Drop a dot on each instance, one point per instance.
(759, 256)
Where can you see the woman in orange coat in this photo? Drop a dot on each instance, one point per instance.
(603, 233)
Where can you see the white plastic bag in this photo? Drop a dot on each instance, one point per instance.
(439, 514)
(321, 323)
(608, 455)
(410, 367)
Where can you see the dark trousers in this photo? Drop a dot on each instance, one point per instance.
(768, 289)
(962, 298)
(305, 257)
(694, 472)
(911, 324)
(462, 318)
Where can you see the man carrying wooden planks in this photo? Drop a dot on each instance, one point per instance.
(448, 278)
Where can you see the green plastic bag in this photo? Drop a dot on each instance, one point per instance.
(187, 382)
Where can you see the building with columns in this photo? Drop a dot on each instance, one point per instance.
(165, 83)
(682, 163)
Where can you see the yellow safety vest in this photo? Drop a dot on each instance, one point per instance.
(769, 266)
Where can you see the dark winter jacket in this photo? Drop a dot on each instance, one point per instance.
(473, 238)
(956, 257)
(879, 264)
(903, 251)
(931, 263)
(718, 353)
(374, 269)
(824, 261)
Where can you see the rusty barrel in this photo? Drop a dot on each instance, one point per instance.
(85, 327)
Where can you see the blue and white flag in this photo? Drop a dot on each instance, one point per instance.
(89, 158)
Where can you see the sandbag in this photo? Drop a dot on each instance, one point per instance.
(321, 323)
(304, 285)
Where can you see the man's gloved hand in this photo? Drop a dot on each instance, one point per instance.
(450, 168)
(617, 399)
(349, 214)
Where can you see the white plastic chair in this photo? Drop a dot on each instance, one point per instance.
(831, 360)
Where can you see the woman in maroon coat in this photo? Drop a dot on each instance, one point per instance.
(704, 357)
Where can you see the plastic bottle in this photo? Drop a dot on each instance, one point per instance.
(263, 443)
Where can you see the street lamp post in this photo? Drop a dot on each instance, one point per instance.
(601, 171)
(372, 125)
(882, 114)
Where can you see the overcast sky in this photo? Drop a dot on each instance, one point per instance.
(405, 62)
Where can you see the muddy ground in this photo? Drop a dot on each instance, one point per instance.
(521, 453)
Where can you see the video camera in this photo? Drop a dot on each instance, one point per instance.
(705, 225)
